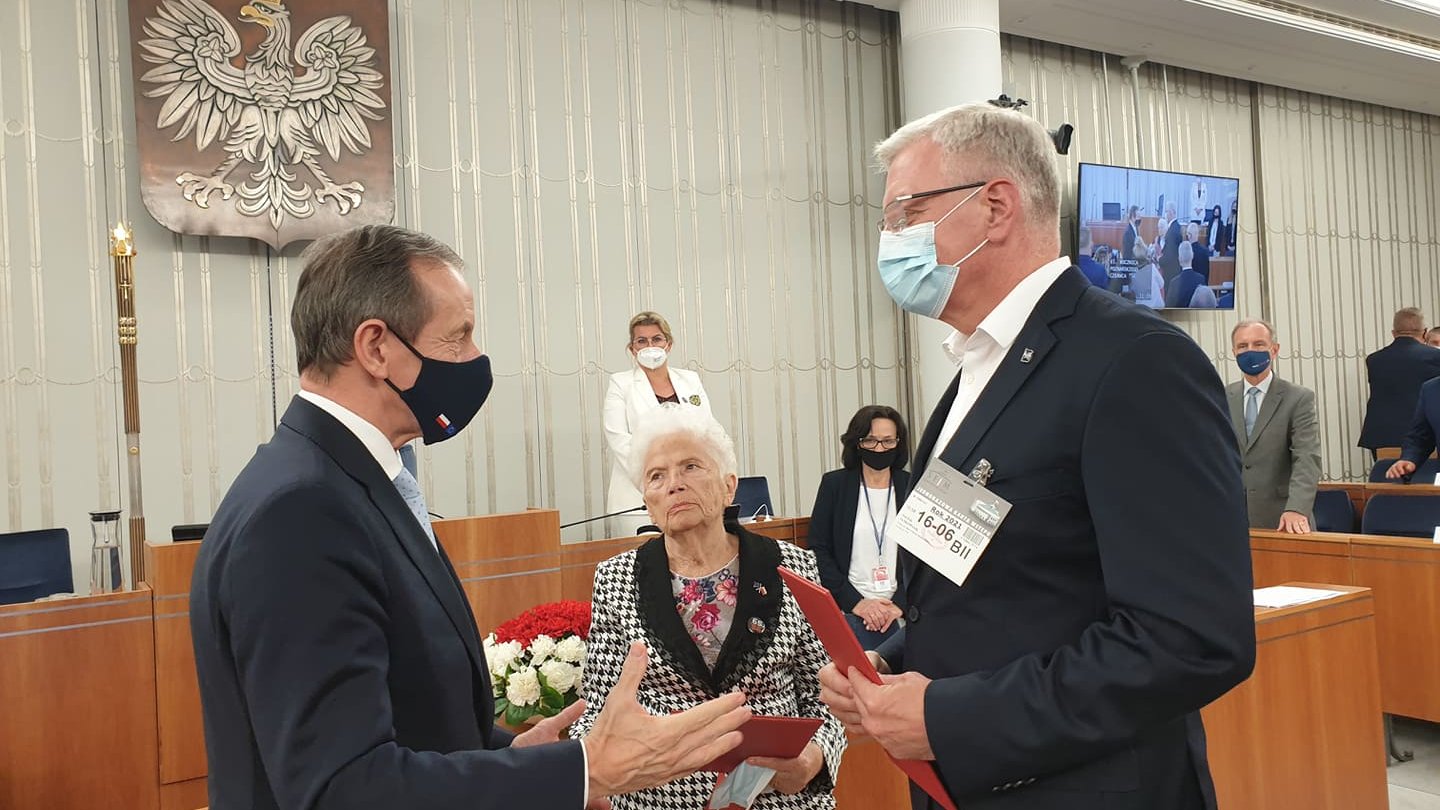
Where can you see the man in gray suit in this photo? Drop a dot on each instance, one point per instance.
(1275, 425)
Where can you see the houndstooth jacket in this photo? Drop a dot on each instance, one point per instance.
(777, 667)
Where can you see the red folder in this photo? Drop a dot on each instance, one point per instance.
(777, 737)
(845, 650)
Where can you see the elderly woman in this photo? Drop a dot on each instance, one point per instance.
(710, 606)
(631, 397)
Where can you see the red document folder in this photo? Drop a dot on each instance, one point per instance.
(845, 650)
(776, 737)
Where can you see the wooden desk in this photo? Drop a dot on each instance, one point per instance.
(792, 530)
(78, 727)
(183, 767)
(1404, 573)
(1305, 729)
(1277, 557)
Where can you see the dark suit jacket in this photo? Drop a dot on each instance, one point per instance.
(1396, 373)
(1170, 252)
(1114, 601)
(1201, 262)
(339, 663)
(1127, 241)
(1425, 426)
(832, 531)
(1179, 289)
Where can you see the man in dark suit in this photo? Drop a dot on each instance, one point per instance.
(1181, 289)
(1069, 670)
(1200, 254)
(1093, 270)
(1277, 431)
(1420, 441)
(1132, 232)
(1396, 373)
(339, 662)
(1170, 250)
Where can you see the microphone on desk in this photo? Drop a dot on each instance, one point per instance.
(602, 517)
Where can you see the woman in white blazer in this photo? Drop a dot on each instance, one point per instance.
(633, 393)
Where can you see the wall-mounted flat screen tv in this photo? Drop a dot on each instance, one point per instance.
(1162, 239)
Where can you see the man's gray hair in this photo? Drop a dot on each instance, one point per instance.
(689, 421)
(1193, 231)
(353, 276)
(1186, 254)
(986, 142)
(1254, 322)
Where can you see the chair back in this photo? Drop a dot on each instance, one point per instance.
(752, 496)
(1333, 511)
(34, 564)
(1402, 515)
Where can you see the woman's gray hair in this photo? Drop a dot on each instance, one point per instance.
(669, 420)
(988, 142)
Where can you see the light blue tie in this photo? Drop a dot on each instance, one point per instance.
(409, 489)
(1252, 408)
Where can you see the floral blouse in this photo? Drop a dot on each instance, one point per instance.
(707, 607)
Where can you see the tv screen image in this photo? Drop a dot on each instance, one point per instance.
(1165, 240)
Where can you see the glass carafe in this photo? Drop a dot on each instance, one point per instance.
(105, 570)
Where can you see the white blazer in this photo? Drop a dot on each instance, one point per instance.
(627, 402)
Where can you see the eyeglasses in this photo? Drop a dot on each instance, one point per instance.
(642, 343)
(870, 443)
(900, 224)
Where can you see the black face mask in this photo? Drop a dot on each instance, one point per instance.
(879, 459)
(445, 396)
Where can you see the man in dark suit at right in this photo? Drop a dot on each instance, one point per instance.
(339, 662)
(1069, 670)
(1420, 441)
(1200, 255)
(1170, 249)
(1396, 373)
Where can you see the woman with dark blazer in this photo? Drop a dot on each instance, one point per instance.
(849, 523)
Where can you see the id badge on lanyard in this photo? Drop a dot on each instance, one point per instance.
(949, 519)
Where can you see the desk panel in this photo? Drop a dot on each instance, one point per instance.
(1305, 729)
(78, 728)
(1405, 576)
(182, 731)
(1277, 557)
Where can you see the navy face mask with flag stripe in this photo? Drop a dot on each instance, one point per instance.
(445, 396)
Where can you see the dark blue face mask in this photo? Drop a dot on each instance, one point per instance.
(1253, 362)
(445, 396)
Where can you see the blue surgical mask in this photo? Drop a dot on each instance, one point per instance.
(912, 274)
(1253, 362)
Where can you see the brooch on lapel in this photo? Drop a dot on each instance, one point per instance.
(760, 589)
(756, 626)
(693, 399)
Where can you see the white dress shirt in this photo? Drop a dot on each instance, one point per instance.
(866, 552)
(979, 354)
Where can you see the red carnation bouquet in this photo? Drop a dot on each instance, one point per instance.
(537, 660)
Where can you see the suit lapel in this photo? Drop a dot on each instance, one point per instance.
(1032, 345)
(1268, 407)
(1236, 397)
(933, 426)
(657, 606)
(352, 457)
(757, 607)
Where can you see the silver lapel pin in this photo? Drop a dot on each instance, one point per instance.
(1027, 355)
(982, 472)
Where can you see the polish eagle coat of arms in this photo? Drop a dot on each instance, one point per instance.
(252, 132)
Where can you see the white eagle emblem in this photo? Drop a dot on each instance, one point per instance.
(264, 114)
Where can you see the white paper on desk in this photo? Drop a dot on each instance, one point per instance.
(1437, 534)
(1279, 596)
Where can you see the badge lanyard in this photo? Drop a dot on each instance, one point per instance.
(880, 530)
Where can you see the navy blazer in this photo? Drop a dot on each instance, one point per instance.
(1425, 426)
(832, 531)
(1396, 373)
(1114, 601)
(340, 666)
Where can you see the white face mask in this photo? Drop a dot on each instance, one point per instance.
(652, 357)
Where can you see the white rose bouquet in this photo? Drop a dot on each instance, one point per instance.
(536, 661)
